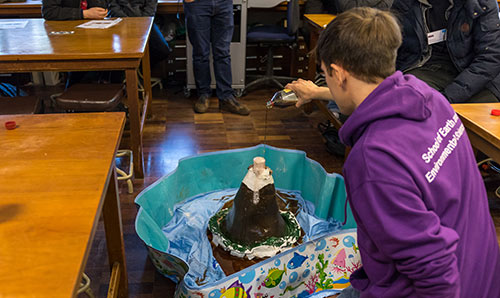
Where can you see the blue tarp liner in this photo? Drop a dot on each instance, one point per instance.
(188, 240)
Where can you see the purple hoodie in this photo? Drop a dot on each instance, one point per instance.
(424, 227)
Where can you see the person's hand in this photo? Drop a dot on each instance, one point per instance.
(304, 89)
(95, 13)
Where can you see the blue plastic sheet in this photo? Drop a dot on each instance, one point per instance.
(187, 230)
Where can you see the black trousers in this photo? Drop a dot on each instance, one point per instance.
(438, 76)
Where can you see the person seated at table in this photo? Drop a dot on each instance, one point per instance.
(61, 10)
(423, 222)
(453, 46)
(462, 62)
(158, 46)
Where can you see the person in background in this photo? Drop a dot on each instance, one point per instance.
(424, 227)
(210, 23)
(453, 46)
(61, 10)
(158, 46)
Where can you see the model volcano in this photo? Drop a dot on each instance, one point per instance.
(254, 226)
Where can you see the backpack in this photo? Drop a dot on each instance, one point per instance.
(9, 90)
(332, 140)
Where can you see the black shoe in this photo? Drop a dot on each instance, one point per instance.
(234, 106)
(201, 105)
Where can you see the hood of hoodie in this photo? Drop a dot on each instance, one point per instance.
(376, 106)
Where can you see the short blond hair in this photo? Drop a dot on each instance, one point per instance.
(364, 41)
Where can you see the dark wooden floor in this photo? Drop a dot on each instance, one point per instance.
(175, 131)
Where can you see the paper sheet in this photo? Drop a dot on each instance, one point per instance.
(99, 24)
(13, 24)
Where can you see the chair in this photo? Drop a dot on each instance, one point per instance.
(19, 105)
(85, 286)
(89, 98)
(154, 82)
(271, 36)
(122, 175)
(96, 98)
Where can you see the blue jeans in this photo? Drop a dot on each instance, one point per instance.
(210, 22)
(158, 46)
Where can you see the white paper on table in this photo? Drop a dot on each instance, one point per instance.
(13, 24)
(99, 24)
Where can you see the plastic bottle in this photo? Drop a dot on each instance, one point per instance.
(283, 98)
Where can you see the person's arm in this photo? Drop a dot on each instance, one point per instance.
(486, 64)
(53, 10)
(344, 5)
(405, 232)
(97, 9)
(307, 91)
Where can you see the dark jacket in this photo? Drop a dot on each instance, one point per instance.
(132, 8)
(473, 42)
(60, 10)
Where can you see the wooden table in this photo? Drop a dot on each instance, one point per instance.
(316, 24)
(27, 9)
(482, 128)
(57, 173)
(121, 47)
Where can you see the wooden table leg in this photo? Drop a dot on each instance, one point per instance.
(146, 75)
(135, 121)
(114, 232)
(313, 40)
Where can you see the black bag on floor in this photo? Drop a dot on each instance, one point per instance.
(332, 140)
(9, 90)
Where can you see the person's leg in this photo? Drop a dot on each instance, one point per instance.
(436, 76)
(483, 96)
(75, 77)
(158, 46)
(198, 16)
(440, 76)
(222, 33)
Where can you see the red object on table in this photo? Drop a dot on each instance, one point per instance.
(10, 125)
(495, 112)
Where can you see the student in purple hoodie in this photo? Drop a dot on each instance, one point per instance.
(424, 227)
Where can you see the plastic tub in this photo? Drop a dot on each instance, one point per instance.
(225, 169)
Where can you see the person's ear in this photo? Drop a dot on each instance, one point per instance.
(339, 74)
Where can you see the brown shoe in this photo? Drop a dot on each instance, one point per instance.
(234, 106)
(201, 105)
